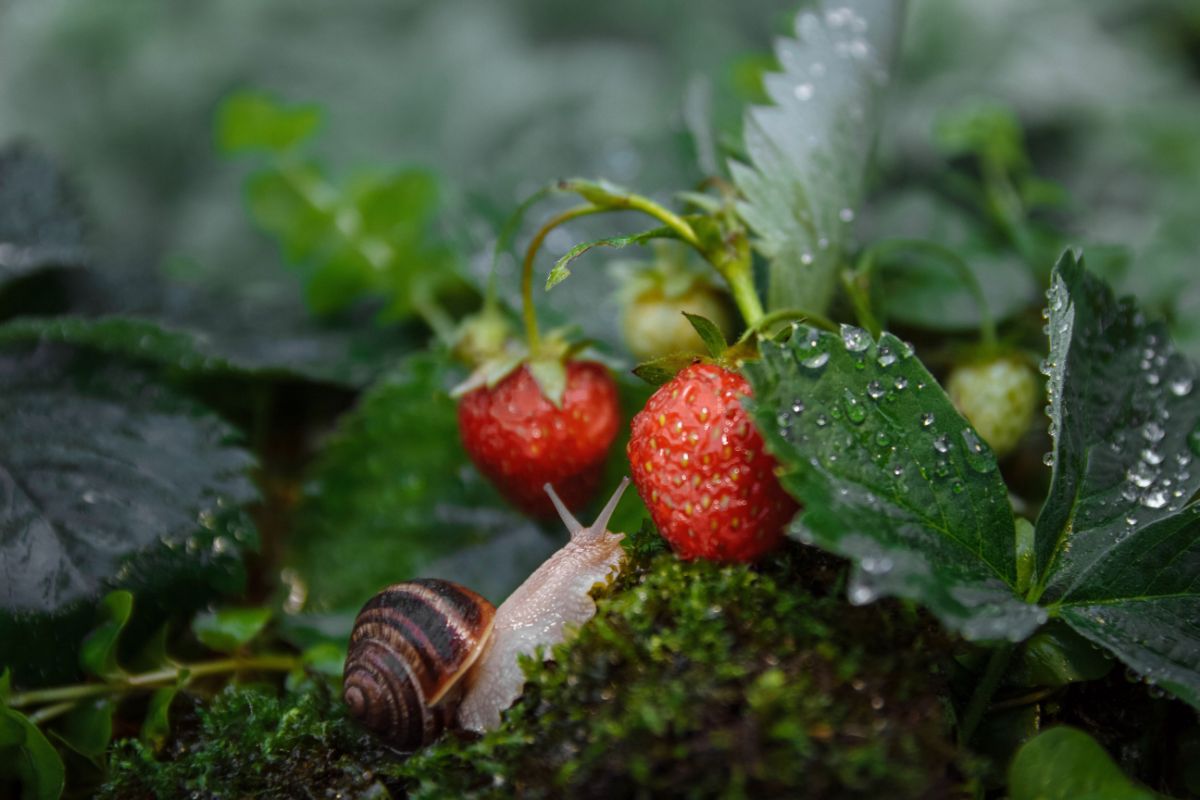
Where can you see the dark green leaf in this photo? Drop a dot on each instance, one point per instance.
(26, 755)
(1067, 764)
(253, 121)
(1117, 543)
(108, 481)
(891, 476)
(98, 654)
(5, 685)
(88, 728)
(393, 493)
(560, 272)
(238, 347)
(709, 333)
(807, 152)
(230, 629)
(40, 225)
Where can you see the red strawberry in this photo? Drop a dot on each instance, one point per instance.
(700, 467)
(521, 441)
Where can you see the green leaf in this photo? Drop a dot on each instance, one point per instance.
(5, 685)
(98, 654)
(26, 755)
(109, 482)
(254, 121)
(658, 371)
(551, 377)
(709, 333)
(1118, 539)
(88, 728)
(326, 658)
(1056, 656)
(1067, 764)
(230, 629)
(807, 152)
(157, 724)
(40, 222)
(891, 476)
(559, 272)
(392, 497)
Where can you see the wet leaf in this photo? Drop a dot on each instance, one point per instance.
(807, 152)
(230, 629)
(891, 476)
(1067, 764)
(98, 655)
(108, 481)
(1118, 540)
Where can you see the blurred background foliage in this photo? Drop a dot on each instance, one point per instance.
(496, 101)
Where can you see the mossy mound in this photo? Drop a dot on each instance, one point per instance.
(717, 681)
(249, 742)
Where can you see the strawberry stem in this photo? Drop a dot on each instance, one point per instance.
(530, 312)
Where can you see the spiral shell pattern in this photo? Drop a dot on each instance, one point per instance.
(411, 646)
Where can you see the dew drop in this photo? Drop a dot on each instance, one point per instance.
(979, 455)
(882, 439)
(957, 487)
(861, 594)
(942, 444)
(1152, 456)
(816, 361)
(875, 390)
(846, 215)
(1155, 499)
(1180, 387)
(927, 419)
(901, 384)
(804, 92)
(887, 356)
(1153, 432)
(1048, 459)
(797, 406)
(854, 408)
(822, 420)
(856, 339)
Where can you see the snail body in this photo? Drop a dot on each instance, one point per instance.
(429, 653)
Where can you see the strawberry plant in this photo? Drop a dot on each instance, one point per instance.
(916, 508)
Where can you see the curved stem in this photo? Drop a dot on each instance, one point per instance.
(857, 286)
(984, 690)
(530, 313)
(987, 325)
(153, 680)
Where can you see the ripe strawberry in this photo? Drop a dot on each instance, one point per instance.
(700, 467)
(998, 396)
(521, 441)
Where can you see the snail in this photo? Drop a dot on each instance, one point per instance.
(428, 654)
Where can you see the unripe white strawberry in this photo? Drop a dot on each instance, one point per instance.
(998, 397)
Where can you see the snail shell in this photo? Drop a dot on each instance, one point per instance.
(411, 646)
(420, 649)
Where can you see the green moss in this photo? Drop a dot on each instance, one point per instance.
(707, 681)
(248, 742)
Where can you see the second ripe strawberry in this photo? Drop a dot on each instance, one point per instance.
(521, 441)
(702, 470)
